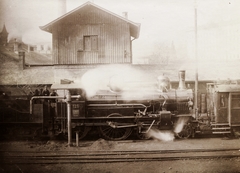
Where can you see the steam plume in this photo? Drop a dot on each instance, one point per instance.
(180, 123)
(161, 135)
(168, 135)
(116, 78)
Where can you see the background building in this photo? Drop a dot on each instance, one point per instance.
(4, 36)
(90, 34)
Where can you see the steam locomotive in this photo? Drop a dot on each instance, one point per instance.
(117, 112)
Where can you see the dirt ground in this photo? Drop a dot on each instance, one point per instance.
(199, 165)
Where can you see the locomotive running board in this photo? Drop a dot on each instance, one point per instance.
(224, 132)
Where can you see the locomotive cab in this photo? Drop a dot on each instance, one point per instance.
(77, 108)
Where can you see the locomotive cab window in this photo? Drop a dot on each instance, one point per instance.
(90, 43)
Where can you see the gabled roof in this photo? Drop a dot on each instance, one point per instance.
(4, 30)
(134, 27)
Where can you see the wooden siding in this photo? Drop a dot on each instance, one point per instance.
(113, 38)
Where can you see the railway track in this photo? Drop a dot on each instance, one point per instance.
(65, 157)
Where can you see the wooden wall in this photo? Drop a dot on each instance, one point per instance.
(114, 40)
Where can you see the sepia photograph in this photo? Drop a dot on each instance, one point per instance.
(114, 86)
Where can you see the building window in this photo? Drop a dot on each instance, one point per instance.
(91, 43)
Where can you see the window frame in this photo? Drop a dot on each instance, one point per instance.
(90, 42)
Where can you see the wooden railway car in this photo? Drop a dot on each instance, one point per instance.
(223, 109)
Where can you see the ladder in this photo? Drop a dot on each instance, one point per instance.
(220, 128)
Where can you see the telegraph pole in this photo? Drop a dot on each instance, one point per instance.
(196, 64)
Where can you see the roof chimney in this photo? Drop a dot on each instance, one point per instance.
(21, 55)
(62, 7)
(15, 46)
(125, 15)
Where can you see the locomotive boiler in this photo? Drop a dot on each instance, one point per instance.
(116, 112)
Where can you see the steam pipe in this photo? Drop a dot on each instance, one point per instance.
(68, 101)
(49, 97)
(118, 105)
(44, 97)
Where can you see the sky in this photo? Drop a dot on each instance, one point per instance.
(162, 22)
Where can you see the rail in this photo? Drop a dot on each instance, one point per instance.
(86, 157)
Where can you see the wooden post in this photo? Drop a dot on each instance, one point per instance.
(196, 68)
(69, 118)
(77, 138)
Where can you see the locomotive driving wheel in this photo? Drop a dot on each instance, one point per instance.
(82, 131)
(142, 135)
(186, 131)
(111, 133)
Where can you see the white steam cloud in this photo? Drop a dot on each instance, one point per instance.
(167, 135)
(117, 78)
(180, 124)
(161, 135)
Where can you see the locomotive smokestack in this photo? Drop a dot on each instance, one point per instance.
(181, 80)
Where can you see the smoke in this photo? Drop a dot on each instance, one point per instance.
(131, 82)
(36, 36)
(22, 19)
(161, 135)
(180, 124)
(94, 80)
(167, 135)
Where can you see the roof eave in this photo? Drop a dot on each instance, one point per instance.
(48, 27)
(136, 31)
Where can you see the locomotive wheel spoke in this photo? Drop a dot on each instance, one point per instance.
(186, 132)
(82, 131)
(142, 135)
(110, 133)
